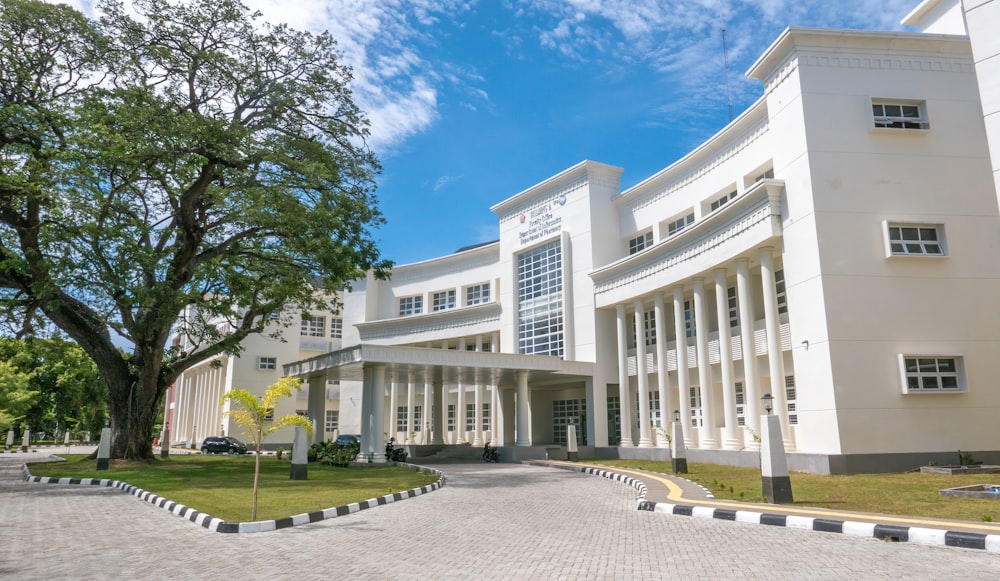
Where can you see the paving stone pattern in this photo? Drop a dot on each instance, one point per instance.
(491, 521)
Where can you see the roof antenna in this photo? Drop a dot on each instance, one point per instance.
(725, 59)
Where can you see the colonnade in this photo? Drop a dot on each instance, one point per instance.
(193, 420)
(678, 396)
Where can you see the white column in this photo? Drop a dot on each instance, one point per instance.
(730, 432)
(411, 401)
(316, 406)
(750, 371)
(367, 414)
(708, 430)
(662, 377)
(477, 438)
(495, 418)
(393, 406)
(425, 416)
(460, 404)
(378, 413)
(645, 441)
(439, 413)
(683, 386)
(523, 418)
(623, 403)
(775, 360)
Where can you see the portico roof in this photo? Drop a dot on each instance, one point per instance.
(426, 365)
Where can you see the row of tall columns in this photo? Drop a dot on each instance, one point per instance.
(198, 412)
(434, 395)
(731, 436)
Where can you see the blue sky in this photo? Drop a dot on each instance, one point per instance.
(472, 101)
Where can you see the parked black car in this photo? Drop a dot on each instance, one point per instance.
(222, 445)
(345, 439)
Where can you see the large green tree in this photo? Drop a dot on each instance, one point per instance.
(176, 167)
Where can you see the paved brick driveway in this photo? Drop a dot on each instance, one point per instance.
(490, 522)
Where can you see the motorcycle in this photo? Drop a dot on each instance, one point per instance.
(490, 453)
(394, 454)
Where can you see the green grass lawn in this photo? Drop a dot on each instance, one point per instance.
(222, 486)
(911, 494)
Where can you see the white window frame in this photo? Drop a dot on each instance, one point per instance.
(906, 373)
(443, 300)
(265, 363)
(732, 305)
(332, 420)
(477, 294)
(640, 242)
(411, 305)
(697, 419)
(897, 246)
(791, 400)
(313, 326)
(675, 227)
(337, 328)
(896, 115)
(781, 290)
(741, 419)
(718, 203)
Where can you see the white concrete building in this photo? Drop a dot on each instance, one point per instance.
(835, 246)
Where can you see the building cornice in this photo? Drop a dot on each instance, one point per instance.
(564, 182)
(429, 322)
(758, 210)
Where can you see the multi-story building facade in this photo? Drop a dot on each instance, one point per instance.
(835, 247)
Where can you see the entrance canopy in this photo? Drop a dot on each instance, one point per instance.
(426, 365)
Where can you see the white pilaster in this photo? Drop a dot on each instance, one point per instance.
(645, 439)
(440, 411)
(730, 433)
(378, 413)
(708, 429)
(393, 410)
(495, 418)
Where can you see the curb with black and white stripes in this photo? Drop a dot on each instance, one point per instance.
(220, 526)
(635, 483)
(921, 535)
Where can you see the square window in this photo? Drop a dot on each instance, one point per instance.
(477, 294)
(313, 326)
(443, 300)
(411, 305)
(267, 363)
(640, 243)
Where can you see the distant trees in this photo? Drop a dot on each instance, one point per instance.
(174, 167)
(50, 385)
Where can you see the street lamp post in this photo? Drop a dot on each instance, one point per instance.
(678, 452)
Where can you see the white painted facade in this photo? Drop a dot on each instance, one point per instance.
(835, 246)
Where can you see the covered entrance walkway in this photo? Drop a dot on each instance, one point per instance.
(513, 382)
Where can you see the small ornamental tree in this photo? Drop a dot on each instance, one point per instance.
(250, 416)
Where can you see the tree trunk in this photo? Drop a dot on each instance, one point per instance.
(132, 409)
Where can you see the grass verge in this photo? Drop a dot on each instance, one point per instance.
(909, 494)
(222, 486)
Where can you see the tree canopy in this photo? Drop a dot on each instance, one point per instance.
(177, 167)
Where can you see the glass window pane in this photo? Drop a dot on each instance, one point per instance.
(946, 365)
(949, 382)
(928, 233)
(911, 365)
(929, 382)
(910, 233)
(892, 110)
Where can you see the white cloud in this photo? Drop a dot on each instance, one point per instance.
(443, 181)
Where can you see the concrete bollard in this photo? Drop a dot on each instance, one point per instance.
(678, 451)
(572, 453)
(165, 443)
(66, 441)
(775, 483)
(300, 458)
(10, 438)
(26, 440)
(104, 450)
